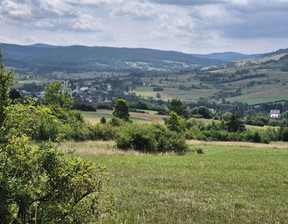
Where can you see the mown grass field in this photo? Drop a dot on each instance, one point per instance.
(229, 183)
(94, 117)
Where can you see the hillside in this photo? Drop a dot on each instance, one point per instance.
(228, 56)
(82, 58)
(258, 80)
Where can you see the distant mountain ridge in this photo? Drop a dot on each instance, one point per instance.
(228, 56)
(83, 58)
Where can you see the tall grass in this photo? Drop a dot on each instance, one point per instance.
(226, 184)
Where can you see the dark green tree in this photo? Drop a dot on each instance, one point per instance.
(14, 94)
(178, 107)
(141, 105)
(205, 112)
(121, 109)
(235, 124)
(284, 134)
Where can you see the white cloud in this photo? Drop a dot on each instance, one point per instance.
(57, 7)
(29, 39)
(138, 10)
(94, 3)
(16, 11)
(87, 23)
(184, 25)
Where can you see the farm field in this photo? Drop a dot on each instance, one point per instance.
(229, 183)
(94, 117)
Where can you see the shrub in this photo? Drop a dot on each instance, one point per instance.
(176, 142)
(284, 134)
(103, 120)
(150, 139)
(41, 183)
(115, 121)
(103, 132)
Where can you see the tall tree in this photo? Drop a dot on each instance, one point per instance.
(234, 124)
(121, 109)
(178, 107)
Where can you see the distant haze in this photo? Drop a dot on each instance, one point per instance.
(190, 26)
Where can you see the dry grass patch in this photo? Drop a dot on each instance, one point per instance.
(94, 148)
(260, 59)
(148, 117)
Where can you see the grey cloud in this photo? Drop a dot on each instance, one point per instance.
(189, 2)
(87, 23)
(47, 14)
(266, 25)
(137, 10)
(93, 3)
(244, 20)
(257, 19)
(14, 10)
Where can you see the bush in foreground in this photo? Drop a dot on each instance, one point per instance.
(150, 139)
(41, 184)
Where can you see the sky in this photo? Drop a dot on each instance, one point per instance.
(190, 26)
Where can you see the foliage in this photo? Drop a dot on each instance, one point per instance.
(234, 124)
(41, 184)
(14, 94)
(103, 120)
(83, 106)
(259, 119)
(121, 109)
(55, 95)
(175, 123)
(115, 121)
(6, 82)
(284, 134)
(204, 112)
(178, 107)
(102, 131)
(150, 139)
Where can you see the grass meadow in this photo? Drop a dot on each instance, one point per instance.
(229, 183)
(94, 117)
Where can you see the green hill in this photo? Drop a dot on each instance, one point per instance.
(259, 80)
(82, 58)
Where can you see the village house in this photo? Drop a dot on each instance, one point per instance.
(275, 114)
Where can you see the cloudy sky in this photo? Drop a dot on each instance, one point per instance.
(190, 26)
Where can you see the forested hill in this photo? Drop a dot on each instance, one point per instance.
(228, 56)
(83, 58)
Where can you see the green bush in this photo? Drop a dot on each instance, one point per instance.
(42, 184)
(150, 139)
(103, 132)
(115, 121)
(176, 142)
(284, 134)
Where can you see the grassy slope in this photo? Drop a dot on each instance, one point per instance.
(94, 117)
(227, 184)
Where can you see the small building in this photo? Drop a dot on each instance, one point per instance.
(275, 114)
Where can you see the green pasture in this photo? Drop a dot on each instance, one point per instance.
(145, 92)
(148, 111)
(253, 101)
(226, 184)
(94, 117)
(252, 127)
